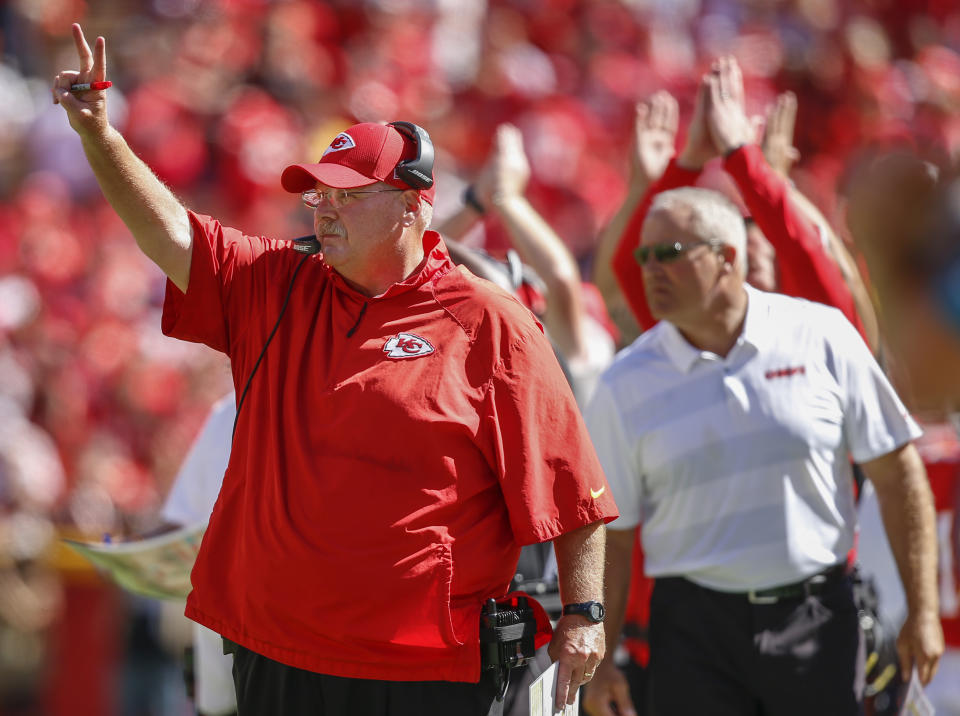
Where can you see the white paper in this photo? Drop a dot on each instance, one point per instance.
(916, 702)
(541, 695)
(155, 567)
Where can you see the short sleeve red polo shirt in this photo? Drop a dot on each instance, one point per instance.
(392, 455)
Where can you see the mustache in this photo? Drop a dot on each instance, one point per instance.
(329, 227)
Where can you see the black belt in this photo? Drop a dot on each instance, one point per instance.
(810, 586)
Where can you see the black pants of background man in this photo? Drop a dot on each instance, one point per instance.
(268, 688)
(716, 653)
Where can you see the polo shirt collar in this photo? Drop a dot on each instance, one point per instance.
(436, 262)
(756, 332)
(678, 350)
(758, 326)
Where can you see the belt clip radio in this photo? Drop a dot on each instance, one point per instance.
(507, 633)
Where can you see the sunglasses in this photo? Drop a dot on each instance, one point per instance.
(666, 253)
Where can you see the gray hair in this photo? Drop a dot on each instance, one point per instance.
(425, 215)
(714, 218)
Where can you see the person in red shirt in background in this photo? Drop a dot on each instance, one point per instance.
(409, 430)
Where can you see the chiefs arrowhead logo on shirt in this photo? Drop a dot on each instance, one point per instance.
(340, 142)
(407, 345)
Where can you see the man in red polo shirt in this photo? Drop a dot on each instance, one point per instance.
(403, 429)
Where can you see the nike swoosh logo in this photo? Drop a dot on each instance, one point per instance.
(596, 493)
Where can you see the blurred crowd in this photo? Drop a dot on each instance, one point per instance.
(97, 408)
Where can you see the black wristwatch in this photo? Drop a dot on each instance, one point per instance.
(593, 611)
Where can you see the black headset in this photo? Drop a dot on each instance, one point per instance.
(417, 173)
(306, 244)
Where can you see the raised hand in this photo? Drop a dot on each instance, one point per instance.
(777, 142)
(507, 170)
(86, 111)
(654, 134)
(726, 117)
(698, 148)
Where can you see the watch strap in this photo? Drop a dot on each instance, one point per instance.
(594, 611)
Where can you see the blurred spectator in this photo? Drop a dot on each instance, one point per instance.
(580, 335)
(777, 144)
(905, 217)
(190, 502)
(31, 481)
(652, 148)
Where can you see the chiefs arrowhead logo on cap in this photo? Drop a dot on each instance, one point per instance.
(340, 142)
(407, 345)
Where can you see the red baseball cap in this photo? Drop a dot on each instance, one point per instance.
(359, 156)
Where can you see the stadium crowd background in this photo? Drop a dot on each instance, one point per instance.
(97, 408)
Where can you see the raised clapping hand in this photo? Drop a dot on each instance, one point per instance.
(698, 148)
(506, 171)
(654, 134)
(777, 142)
(726, 117)
(577, 647)
(86, 111)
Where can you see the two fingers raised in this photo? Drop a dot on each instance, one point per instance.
(93, 65)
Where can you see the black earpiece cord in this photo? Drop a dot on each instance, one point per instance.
(356, 325)
(263, 352)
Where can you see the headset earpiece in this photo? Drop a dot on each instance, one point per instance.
(417, 172)
(306, 244)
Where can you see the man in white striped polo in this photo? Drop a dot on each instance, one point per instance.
(727, 430)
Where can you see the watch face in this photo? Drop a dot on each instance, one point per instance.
(593, 611)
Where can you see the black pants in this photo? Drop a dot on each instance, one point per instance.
(269, 688)
(717, 653)
(637, 678)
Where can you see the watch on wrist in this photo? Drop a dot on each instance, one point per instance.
(593, 611)
(471, 200)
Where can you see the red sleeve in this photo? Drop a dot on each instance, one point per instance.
(806, 268)
(625, 267)
(549, 472)
(221, 283)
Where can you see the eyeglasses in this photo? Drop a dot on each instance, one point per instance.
(666, 253)
(338, 198)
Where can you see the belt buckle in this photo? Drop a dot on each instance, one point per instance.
(755, 598)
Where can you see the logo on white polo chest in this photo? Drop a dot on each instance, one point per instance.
(407, 345)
